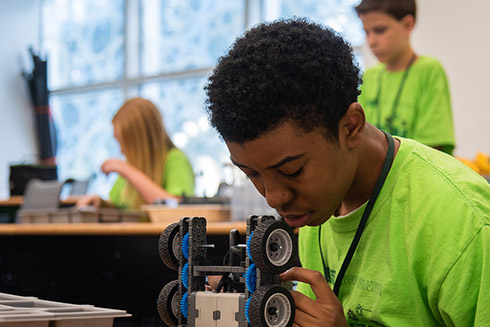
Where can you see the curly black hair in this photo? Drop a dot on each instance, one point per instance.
(286, 70)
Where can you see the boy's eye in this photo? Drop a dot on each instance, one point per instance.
(379, 30)
(293, 175)
(252, 174)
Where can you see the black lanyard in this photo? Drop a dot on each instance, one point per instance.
(390, 154)
(389, 120)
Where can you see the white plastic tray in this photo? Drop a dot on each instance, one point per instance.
(32, 312)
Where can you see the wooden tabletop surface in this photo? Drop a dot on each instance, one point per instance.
(213, 228)
(17, 200)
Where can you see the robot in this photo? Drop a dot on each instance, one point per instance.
(250, 293)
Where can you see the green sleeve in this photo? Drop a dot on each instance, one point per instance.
(178, 174)
(434, 120)
(115, 195)
(469, 281)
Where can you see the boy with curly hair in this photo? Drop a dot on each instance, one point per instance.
(392, 232)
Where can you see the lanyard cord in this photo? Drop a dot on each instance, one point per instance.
(389, 120)
(379, 184)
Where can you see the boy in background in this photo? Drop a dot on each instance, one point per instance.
(405, 94)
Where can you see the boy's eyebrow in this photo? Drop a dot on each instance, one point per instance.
(286, 160)
(280, 163)
(237, 164)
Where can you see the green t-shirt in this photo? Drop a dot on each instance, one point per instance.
(424, 256)
(178, 178)
(424, 108)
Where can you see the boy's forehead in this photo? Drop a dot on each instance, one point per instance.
(270, 148)
(376, 17)
(276, 135)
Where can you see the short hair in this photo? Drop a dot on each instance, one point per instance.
(286, 70)
(396, 8)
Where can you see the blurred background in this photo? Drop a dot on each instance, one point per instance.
(102, 52)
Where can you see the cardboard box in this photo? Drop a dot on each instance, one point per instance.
(166, 214)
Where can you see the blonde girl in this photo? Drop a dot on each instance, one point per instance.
(154, 168)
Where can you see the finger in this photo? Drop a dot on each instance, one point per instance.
(96, 201)
(306, 309)
(318, 283)
(84, 201)
(106, 167)
(213, 281)
(302, 319)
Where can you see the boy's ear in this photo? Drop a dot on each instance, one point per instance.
(408, 22)
(352, 125)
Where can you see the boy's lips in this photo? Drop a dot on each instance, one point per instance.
(295, 220)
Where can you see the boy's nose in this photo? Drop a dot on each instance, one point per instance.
(371, 40)
(277, 196)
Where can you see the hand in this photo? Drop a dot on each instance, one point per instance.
(113, 165)
(89, 200)
(325, 311)
(213, 281)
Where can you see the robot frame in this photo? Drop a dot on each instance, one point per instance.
(253, 293)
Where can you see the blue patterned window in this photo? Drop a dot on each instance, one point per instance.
(85, 135)
(84, 41)
(188, 34)
(102, 52)
(337, 14)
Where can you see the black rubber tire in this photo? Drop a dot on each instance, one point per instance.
(169, 304)
(272, 297)
(267, 234)
(167, 246)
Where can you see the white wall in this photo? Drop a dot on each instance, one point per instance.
(456, 32)
(19, 25)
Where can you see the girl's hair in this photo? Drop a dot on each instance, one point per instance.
(396, 8)
(144, 141)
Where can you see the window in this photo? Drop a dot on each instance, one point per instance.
(84, 40)
(103, 52)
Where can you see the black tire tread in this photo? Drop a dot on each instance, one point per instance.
(259, 298)
(258, 251)
(165, 246)
(164, 303)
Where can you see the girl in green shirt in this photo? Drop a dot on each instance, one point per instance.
(154, 168)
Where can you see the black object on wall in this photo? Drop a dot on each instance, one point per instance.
(46, 130)
(20, 175)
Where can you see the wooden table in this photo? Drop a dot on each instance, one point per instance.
(109, 265)
(213, 228)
